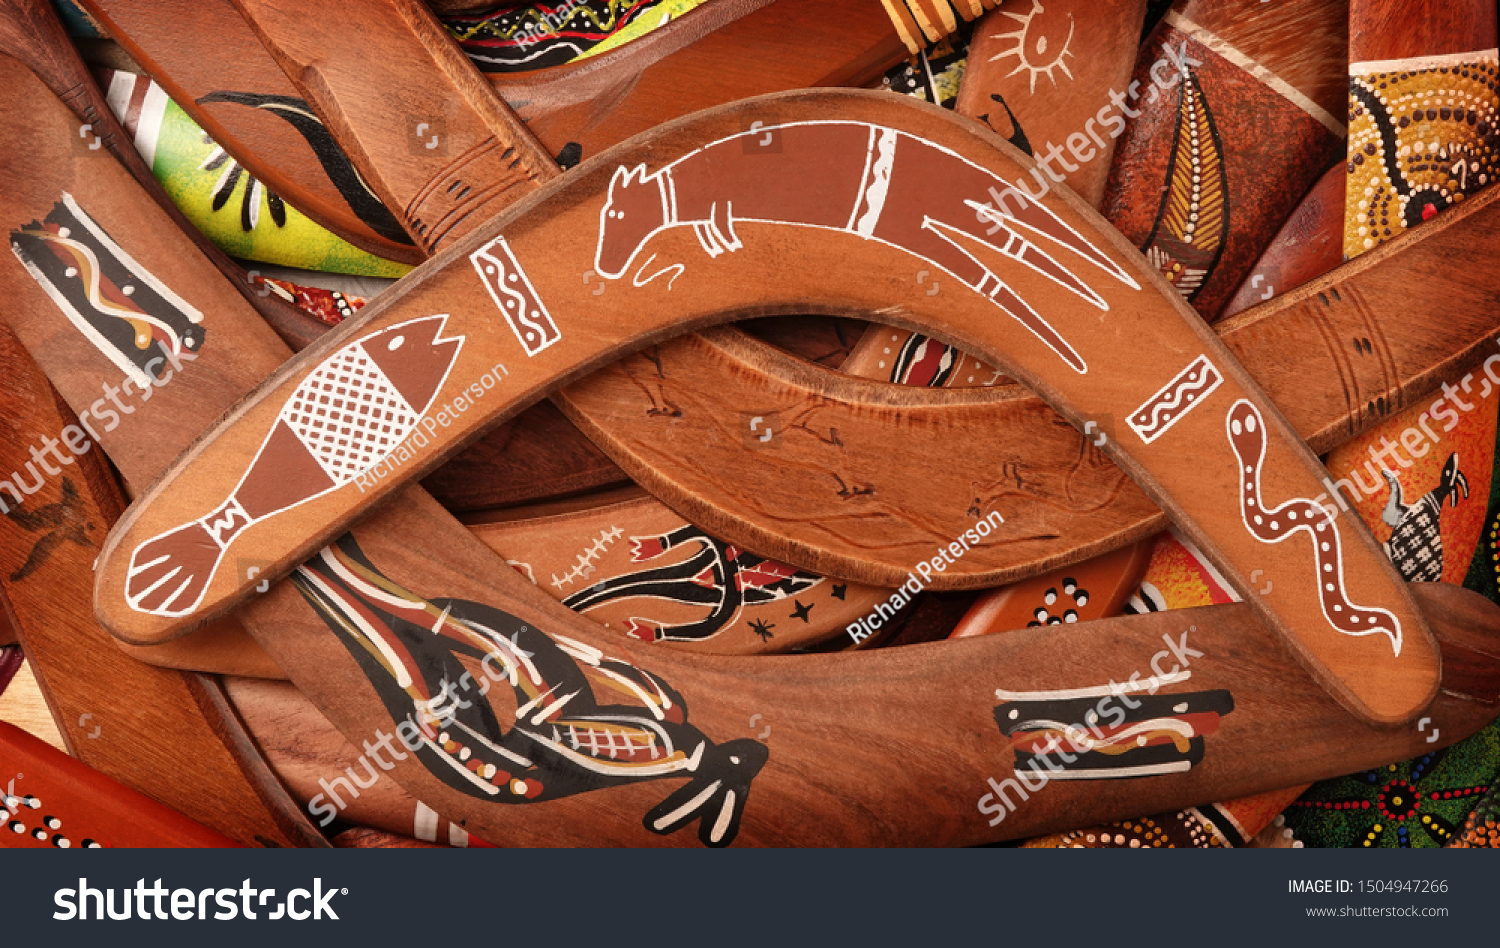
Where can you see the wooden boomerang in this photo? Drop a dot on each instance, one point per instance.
(864, 521)
(895, 186)
(305, 750)
(895, 746)
(239, 95)
(868, 523)
(834, 710)
(833, 497)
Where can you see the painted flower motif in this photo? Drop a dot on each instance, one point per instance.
(1419, 803)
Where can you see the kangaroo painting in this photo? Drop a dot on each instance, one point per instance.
(869, 180)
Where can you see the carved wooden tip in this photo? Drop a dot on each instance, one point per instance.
(454, 201)
(921, 23)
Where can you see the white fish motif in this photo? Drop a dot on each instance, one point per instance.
(351, 411)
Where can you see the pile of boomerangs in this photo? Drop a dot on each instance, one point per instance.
(296, 635)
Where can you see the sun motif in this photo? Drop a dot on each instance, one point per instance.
(1035, 44)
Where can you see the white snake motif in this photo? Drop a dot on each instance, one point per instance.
(1246, 429)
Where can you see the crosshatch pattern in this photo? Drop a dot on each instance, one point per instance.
(349, 415)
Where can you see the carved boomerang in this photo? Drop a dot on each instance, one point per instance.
(699, 211)
(210, 62)
(1336, 356)
(867, 514)
(379, 628)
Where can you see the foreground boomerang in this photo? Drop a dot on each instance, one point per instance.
(488, 326)
(895, 747)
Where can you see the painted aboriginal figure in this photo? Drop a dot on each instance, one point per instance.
(718, 576)
(868, 180)
(117, 304)
(1096, 734)
(581, 721)
(1040, 43)
(1192, 223)
(66, 520)
(356, 407)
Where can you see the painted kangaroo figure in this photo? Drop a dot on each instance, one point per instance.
(877, 182)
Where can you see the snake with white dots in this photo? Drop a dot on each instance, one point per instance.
(1246, 429)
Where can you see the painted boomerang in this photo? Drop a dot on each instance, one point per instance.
(377, 627)
(701, 218)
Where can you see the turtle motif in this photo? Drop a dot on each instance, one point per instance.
(1416, 543)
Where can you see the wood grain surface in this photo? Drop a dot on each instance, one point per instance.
(1380, 31)
(141, 448)
(1308, 245)
(166, 733)
(1042, 79)
(478, 157)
